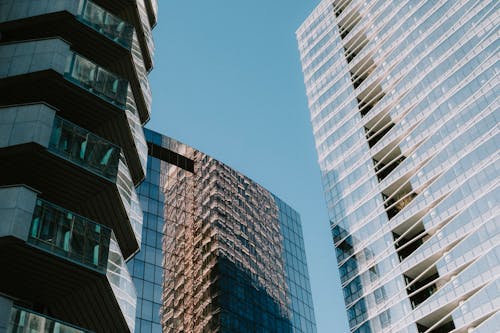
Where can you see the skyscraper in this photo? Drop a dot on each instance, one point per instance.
(74, 96)
(403, 97)
(220, 253)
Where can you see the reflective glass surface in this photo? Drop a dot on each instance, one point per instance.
(121, 32)
(143, 15)
(106, 23)
(22, 320)
(209, 262)
(141, 71)
(97, 80)
(121, 283)
(300, 306)
(224, 265)
(147, 266)
(84, 148)
(63, 233)
(101, 157)
(136, 129)
(403, 103)
(129, 197)
(71, 236)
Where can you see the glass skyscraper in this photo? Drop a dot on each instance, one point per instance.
(74, 95)
(403, 97)
(219, 252)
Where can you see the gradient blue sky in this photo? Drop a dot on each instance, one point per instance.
(227, 80)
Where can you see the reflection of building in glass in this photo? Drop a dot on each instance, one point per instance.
(231, 253)
(403, 98)
(74, 95)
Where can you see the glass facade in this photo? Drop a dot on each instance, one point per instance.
(97, 80)
(404, 108)
(106, 23)
(101, 157)
(147, 265)
(71, 236)
(75, 99)
(220, 252)
(92, 245)
(300, 304)
(84, 148)
(23, 320)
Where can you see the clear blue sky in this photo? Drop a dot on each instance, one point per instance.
(227, 80)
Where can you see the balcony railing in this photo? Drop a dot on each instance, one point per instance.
(22, 320)
(121, 32)
(65, 234)
(101, 157)
(97, 80)
(84, 148)
(106, 23)
(111, 88)
(76, 238)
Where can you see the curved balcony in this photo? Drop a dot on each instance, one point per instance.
(65, 261)
(72, 166)
(97, 80)
(105, 23)
(91, 30)
(47, 70)
(135, 12)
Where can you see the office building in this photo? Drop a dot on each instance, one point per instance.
(403, 97)
(74, 96)
(219, 252)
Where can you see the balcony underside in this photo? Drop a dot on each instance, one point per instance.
(84, 40)
(70, 186)
(90, 111)
(72, 293)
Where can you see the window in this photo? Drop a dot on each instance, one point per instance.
(373, 272)
(385, 318)
(357, 313)
(380, 295)
(353, 290)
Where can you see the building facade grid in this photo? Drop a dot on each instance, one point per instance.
(220, 253)
(403, 98)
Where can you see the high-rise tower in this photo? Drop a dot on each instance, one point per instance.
(403, 97)
(220, 253)
(74, 96)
